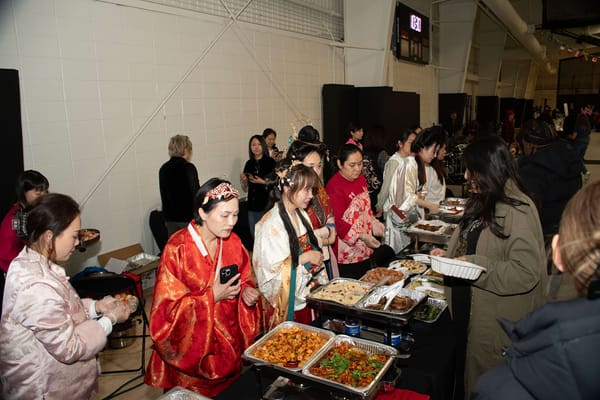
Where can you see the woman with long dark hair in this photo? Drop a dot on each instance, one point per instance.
(319, 209)
(435, 170)
(500, 231)
(286, 258)
(560, 341)
(257, 171)
(392, 192)
(425, 148)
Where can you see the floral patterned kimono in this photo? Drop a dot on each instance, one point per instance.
(273, 267)
(197, 343)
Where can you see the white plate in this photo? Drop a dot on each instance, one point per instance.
(456, 268)
(401, 265)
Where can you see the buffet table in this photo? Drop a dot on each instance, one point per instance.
(429, 370)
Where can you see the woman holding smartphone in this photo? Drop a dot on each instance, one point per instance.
(204, 311)
(257, 170)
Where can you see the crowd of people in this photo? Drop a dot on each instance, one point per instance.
(212, 297)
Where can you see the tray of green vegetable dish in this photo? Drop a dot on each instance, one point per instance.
(430, 310)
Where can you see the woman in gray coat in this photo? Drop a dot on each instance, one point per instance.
(500, 231)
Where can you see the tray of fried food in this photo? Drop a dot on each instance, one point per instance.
(454, 201)
(341, 290)
(376, 274)
(432, 227)
(397, 301)
(411, 267)
(352, 364)
(290, 345)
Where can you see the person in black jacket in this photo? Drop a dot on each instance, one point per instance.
(555, 349)
(257, 170)
(178, 181)
(550, 169)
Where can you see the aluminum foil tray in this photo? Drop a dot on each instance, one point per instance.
(179, 393)
(439, 304)
(325, 334)
(378, 293)
(319, 295)
(366, 345)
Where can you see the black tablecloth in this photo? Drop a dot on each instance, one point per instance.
(430, 370)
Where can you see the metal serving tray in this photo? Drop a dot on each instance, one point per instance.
(378, 293)
(433, 302)
(325, 334)
(366, 345)
(314, 296)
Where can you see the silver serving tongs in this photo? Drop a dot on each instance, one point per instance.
(391, 293)
(379, 283)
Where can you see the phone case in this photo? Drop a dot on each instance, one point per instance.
(226, 273)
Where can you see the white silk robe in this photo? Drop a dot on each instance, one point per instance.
(48, 344)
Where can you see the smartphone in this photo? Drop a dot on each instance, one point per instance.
(229, 272)
(248, 175)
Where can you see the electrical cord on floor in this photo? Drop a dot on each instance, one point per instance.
(119, 391)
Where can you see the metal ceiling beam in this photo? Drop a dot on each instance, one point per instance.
(578, 37)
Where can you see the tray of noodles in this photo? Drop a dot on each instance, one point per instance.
(352, 364)
(290, 345)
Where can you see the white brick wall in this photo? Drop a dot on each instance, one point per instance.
(92, 73)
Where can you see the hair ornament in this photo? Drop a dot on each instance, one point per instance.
(223, 190)
(282, 174)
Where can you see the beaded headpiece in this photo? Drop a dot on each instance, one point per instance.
(221, 191)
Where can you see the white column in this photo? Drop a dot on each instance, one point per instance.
(367, 34)
(457, 18)
(491, 39)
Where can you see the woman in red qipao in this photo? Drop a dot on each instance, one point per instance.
(199, 326)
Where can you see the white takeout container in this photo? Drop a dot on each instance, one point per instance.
(456, 268)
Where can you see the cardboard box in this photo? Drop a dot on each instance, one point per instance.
(131, 259)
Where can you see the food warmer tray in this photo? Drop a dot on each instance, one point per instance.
(376, 295)
(365, 345)
(332, 389)
(439, 304)
(312, 296)
(328, 335)
(326, 307)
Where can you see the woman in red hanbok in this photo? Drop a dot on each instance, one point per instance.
(200, 326)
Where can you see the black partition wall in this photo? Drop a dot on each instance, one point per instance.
(340, 106)
(11, 140)
(371, 106)
(488, 113)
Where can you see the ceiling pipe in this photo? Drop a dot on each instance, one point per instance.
(507, 15)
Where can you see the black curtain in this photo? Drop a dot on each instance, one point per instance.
(11, 140)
